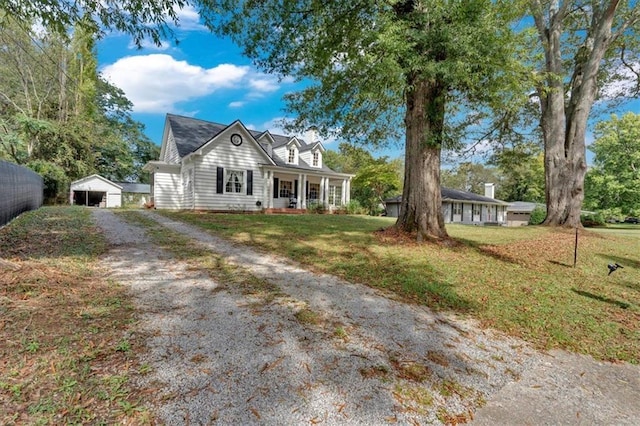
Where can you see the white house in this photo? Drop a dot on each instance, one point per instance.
(95, 191)
(464, 207)
(217, 167)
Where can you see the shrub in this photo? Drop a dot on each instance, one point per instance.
(538, 214)
(592, 220)
(354, 207)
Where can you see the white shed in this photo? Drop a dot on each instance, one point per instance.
(96, 191)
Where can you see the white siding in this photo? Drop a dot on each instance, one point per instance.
(114, 199)
(187, 187)
(167, 188)
(171, 155)
(307, 157)
(223, 153)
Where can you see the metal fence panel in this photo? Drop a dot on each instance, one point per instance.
(21, 190)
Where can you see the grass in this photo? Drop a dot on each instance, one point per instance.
(66, 353)
(519, 280)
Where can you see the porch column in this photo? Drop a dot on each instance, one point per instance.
(344, 193)
(266, 197)
(348, 193)
(304, 191)
(326, 192)
(299, 191)
(322, 191)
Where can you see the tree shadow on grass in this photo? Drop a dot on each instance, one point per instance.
(487, 250)
(618, 303)
(624, 261)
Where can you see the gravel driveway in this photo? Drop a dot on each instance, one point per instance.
(218, 355)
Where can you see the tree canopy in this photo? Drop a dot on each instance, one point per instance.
(613, 183)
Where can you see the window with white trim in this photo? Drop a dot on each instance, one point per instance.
(316, 159)
(314, 191)
(234, 181)
(335, 195)
(457, 208)
(286, 189)
(292, 155)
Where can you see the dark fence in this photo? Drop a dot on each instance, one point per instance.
(20, 190)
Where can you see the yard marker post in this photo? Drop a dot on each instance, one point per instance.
(575, 250)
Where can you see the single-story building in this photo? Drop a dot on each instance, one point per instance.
(464, 207)
(95, 191)
(218, 167)
(135, 193)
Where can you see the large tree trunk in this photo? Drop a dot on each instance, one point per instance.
(564, 116)
(421, 208)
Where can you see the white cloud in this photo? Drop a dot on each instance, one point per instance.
(264, 84)
(237, 104)
(157, 82)
(188, 18)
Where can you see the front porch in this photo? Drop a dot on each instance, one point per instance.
(296, 193)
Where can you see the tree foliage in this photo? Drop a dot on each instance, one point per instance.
(375, 178)
(139, 18)
(522, 173)
(58, 116)
(469, 177)
(613, 183)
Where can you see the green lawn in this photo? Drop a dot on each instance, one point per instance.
(519, 280)
(620, 230)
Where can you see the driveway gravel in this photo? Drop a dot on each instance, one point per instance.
(218, 355)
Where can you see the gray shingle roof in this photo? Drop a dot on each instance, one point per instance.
(449, 194)
(191, 133)
(136, 188)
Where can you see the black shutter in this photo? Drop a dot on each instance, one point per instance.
(306, 190)
(276, 190)
(249, 182)
(220, 180)
(295, 190)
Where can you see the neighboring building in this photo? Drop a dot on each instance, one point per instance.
(464, 207)
(135, 193)
(519, 212)
(210, 166)
(95, 191)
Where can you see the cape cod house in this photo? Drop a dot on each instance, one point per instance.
(464, 207)
(217, 167)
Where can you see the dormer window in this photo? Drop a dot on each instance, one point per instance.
(292, 155)
(316, 159)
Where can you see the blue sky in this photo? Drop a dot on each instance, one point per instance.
(203, 77)
(207, 78)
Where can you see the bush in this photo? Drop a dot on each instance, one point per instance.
(592, 220)
(354, 207)
(538, 214)
(316, 207)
